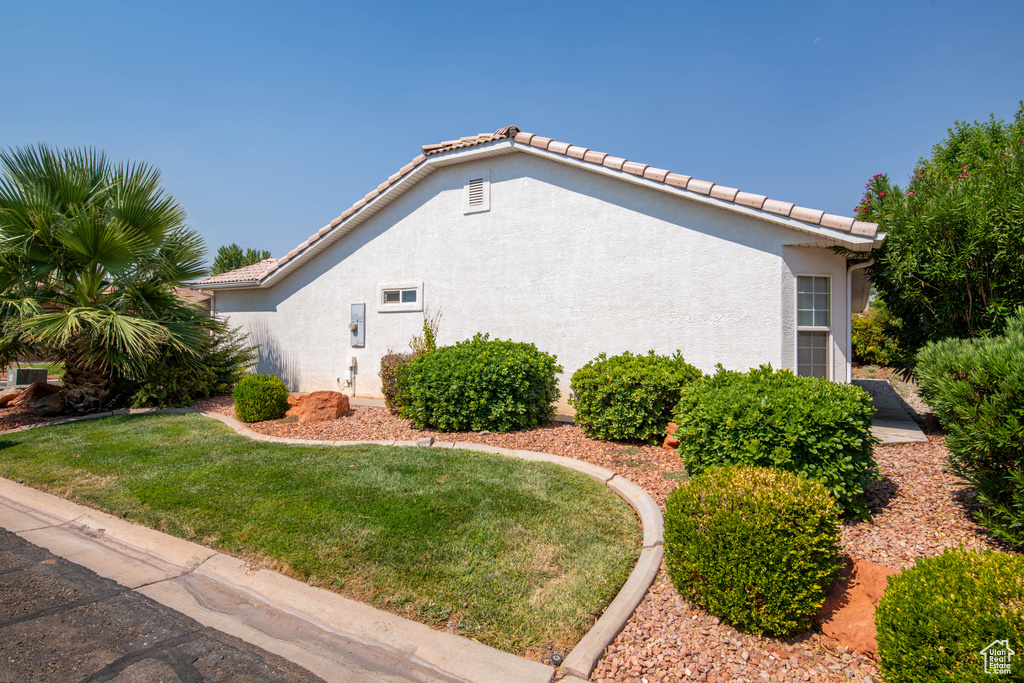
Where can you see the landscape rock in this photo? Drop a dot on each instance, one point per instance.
(48, 406)
(35, 391)
(848, 614)
(670, 442)
(8, 395)
(318, 406)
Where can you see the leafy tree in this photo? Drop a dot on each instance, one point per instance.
(90, 254)
(231, 256)
(952, 263)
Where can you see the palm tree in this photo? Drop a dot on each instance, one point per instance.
(90, 253)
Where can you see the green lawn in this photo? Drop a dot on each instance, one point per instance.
(517, 555)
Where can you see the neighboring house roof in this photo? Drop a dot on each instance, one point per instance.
(243, 274)
(839, 228)
(195, 295)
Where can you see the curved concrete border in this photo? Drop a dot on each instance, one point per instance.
(584, 657)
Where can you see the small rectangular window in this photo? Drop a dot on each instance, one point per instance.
(395, 297)
(814, 323)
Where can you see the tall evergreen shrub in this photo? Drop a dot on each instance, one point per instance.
(976, 387)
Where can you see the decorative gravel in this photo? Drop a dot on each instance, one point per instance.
(919, 512)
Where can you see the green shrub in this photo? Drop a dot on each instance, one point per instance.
(627, 397)
(177, 379)
(976, 387)
(260, 397)
(810, 426)
(934, 619)
(479, 384)
(873, 341)
(758, 547)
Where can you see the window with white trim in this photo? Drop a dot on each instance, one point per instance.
(476, 194)
(813, 325)
(396, 297)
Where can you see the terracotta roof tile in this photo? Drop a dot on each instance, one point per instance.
(659, 175)
(754, 201)
(656, 174)
(538, 141)
(701, 186)
(723, 192)
(243, 274)
(613, 162)
(576, 152)
(864, 229)
(837, 222)
(678, 180)
(775, 206)
(634, 168)
(559, 147)
(806, 215)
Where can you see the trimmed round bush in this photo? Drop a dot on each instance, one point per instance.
(627, 397)
(479, 384)
(935, 618)
(809, 426)
(758, 547)
(260, 397)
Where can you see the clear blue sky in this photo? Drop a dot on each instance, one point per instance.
(270, 119)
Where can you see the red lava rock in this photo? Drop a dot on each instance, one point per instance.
(318, 406)
(848, 614)
(36, 390)
(670, 442)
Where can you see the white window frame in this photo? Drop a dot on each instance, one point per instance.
(484, 177)
(399, 307)
(829, 343)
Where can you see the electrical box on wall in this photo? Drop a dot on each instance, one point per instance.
(358, 325)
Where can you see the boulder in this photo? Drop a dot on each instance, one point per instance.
(671, 442)
(317, 406)
(47, 406)
(35, 391)
(848, 614)
(8, 395)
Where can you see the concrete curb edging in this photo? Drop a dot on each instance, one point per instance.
(579, 662)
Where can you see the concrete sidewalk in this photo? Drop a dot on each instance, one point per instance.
(891, 423)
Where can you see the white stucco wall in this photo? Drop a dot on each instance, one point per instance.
(572, 261)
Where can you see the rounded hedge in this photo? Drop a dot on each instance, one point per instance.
(260, 397)
(809, 426)
(935, 618)
(479, 384)
(758, 547)
(627, 397)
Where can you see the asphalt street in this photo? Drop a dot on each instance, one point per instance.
(60, 622)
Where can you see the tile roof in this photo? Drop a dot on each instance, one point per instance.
(704, 187)
(243, 274)
(195, 295)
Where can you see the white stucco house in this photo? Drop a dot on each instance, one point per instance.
(576, 251)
